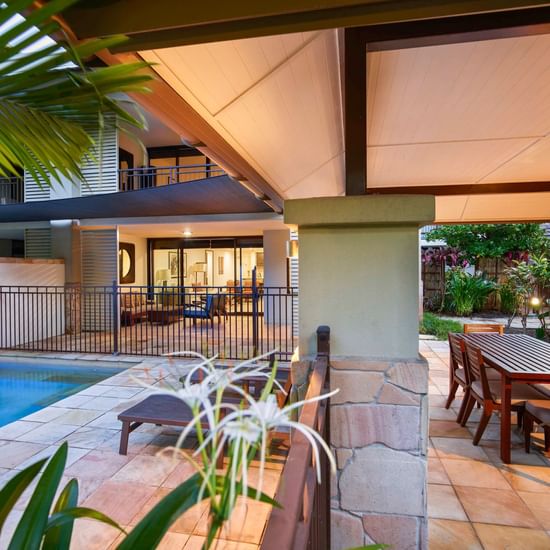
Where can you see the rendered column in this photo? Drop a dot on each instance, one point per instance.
(359, 275)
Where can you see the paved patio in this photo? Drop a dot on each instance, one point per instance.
(475, 501)
(124, 487)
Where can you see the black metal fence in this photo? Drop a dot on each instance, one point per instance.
(152, 176)
(11, 190)
(233, 322)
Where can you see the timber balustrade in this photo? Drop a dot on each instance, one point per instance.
(304, 519)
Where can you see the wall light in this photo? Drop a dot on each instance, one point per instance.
(535, 301)
(292, 249)
(187, 233)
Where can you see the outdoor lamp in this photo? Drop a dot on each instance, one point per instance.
(535, 301)
(292, 249)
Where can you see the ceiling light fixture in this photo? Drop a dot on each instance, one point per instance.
(187, 233)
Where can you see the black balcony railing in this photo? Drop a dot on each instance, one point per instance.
(235, 322)
(147, 177)
(11, 190)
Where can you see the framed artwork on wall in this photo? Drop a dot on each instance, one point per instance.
(220, 265)
(127, 263)
(173, 264)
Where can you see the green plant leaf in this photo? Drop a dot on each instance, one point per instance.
(149, 531)
(59, 537)
(15, 487)
(30, 529)
(68, 516)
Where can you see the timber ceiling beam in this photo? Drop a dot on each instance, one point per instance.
(169, 107)
(166, 23)
(468, 189)
(355, 112)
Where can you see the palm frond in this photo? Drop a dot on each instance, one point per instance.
(50, 102)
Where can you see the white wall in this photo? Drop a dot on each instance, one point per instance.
(141, 256)
(42, 314)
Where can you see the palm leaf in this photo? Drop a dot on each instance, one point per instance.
(50, 102)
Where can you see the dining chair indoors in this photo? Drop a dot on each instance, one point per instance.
(487, 393)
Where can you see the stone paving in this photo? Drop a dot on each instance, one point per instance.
(123, 487)
(474, 501)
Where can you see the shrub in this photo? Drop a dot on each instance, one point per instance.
(509, 299)
(438, 327)
(466, 293)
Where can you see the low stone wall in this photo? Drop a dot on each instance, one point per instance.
(379, 430)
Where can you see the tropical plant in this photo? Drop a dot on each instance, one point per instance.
(50, 102)
(492, 240)
(466, 293)
(438, 327)
(42, 526)
(508, 297)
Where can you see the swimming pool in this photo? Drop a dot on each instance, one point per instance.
(28, 385)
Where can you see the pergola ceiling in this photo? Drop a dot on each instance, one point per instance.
(276, 100)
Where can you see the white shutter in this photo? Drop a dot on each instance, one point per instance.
(33, 191)
(99, 270)
(294, 284)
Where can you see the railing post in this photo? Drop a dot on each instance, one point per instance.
(323, 340)
(116, 315)
(254, 313)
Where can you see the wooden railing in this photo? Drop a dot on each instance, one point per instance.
(304, 519)
(11, 190)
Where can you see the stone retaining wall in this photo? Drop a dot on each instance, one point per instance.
(379, 430)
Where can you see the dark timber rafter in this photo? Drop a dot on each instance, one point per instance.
(465, 189)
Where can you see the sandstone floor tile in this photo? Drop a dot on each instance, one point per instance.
(122, 392)
(72, 402)
(437, 401)
(89, 438)
(102, 403)
(496, 506)
(196, 543)
(120, 500)
(107, 420)
(77, 417)
(14, 429)
(534, 479)
(159, 443)
(447, 428)
(452, 535)
(184, 524)
(456, 448)
(92, 535)
(98, 465)
(518, 455)
(436, 472)
(47, 414)
(15, 452)
(94, 391)
(47, 434)
(137, 442)
(472, 473)
(149, 470)
(539, 504)
(444, 504)
(182, 472)
(73, 454)
(246, 523)
(440, 413)
(498, 537)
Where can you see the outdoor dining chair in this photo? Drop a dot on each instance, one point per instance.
(487, 392)
(457, 372)
(537, 411)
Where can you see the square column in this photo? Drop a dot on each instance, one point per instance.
(359, 275)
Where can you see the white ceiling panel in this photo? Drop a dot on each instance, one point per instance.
(321, 183)
(479, 90)
(219, 72)
(438, 163)
(290, 123)
(532, 164)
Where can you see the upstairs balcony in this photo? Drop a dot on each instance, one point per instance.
(11, 190)
(147, 177)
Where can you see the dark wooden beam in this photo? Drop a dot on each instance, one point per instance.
(355, 112)
(454, 30)
(470, 189)
(166, 23)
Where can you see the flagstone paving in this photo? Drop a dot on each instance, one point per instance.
(474, 501)
(124, 487)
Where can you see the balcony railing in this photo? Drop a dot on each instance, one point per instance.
(147, 177)
(11, 190)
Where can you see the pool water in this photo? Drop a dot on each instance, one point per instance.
(28, 385)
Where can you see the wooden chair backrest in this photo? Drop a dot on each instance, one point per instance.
(458, 350)
(469, 328)
(476, 368)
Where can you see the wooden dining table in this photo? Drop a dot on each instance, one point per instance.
(520, 359)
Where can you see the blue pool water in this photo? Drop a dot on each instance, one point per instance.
(28, 385)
